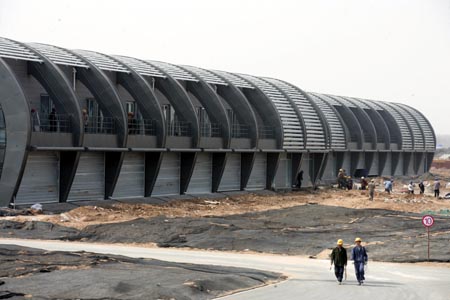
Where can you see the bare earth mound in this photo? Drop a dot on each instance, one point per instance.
(29, 273)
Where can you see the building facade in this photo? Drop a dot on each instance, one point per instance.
(81, 125)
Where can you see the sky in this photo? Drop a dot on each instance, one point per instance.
(396, 51)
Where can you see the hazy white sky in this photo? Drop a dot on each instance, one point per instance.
(376, 49)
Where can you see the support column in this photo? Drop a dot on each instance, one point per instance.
(247, 160)
(188, 160)
(272, 165)
(152, 166)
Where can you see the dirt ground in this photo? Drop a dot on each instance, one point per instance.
(304, 222)
(84, 216)
(294, 223)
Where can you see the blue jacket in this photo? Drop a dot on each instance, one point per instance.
(388, 185)
(359, 254)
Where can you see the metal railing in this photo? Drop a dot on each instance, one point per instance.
(52, 123)
(179, 128)
(353, 138)
(266, 132)
(100, 125)
(210, 130)
(368, 138)
(141, 127)
(239, 131)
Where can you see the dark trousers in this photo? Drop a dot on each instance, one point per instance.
(436, 193)
(359, 271)
(339, 272)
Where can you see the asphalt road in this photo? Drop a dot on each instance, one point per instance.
(308, 278)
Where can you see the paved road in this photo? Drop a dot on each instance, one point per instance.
(308, 279)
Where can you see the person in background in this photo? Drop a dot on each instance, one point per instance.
(349, 183)
(299, 179)
(411, 187)
(364, 184)
(360, 258)
(388, 186)
(437, 187)
(131, 123)
(339, 259)
(52, 120)
(371, 189)
(35, 120)
(421, 187)
(85, 120)
(341, 179)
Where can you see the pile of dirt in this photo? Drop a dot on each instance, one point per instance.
(230, 205)
(31, 273)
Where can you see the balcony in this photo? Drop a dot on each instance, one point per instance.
(210, 130)
(266, 132)
(142, 127)
(53, 123)
(179, 128)
(52, 131)
(100, 125)
(239, 131)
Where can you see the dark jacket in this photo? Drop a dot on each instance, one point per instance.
(339, 257)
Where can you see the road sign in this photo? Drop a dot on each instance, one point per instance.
(427, 221)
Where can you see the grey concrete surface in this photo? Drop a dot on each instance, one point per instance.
(308, 278)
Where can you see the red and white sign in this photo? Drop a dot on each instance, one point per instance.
(427, 221)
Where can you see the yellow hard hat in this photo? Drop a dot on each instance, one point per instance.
(358, 240)
(340, 242)
(340, 170)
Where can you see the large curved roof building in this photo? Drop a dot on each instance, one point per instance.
(78, 125)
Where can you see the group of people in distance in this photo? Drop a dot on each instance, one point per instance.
(346, 182)
(339, 260)
(436, 187)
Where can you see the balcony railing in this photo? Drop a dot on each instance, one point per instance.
(179, 128)
(239, 131)
(52, 123)
(353, 138)
(141, 127)
(210, 130)
(266, 132)
(100, 125)
(368, 138)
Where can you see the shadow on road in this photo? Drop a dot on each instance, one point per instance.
(379, 284)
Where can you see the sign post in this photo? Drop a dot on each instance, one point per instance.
(428, 221)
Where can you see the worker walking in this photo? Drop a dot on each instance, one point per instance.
(359, 257)
(371, 189)
(437, 187)
(339, 259)
(299, 179)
